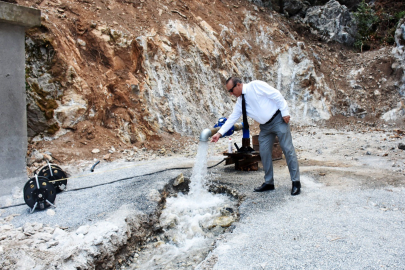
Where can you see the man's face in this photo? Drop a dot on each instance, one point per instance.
(235, 90)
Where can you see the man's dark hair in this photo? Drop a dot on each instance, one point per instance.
(235, 80)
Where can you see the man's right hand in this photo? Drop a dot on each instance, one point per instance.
(216, 137)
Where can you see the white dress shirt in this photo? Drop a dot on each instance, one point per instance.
(262, 102)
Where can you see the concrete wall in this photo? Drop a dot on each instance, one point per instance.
(13, 117)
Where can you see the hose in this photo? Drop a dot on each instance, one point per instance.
(95, 164)
(118, 180)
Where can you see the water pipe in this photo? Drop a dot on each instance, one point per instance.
(208, 132)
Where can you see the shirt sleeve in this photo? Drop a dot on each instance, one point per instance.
(237, 112)
(275, 95)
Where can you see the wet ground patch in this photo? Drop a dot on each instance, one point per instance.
(184, 228)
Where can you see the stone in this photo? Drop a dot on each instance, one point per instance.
(6, 227)
(29, 229)
(59, 233)
(81, 42)
(47, 157)
(332, 21)
(224, 222)
(36, 121)
(401, 146)
(399, 53)
(83, 230)
(179, 179)
(107, 157)
(154, 195)
(70, 113)
(95, 151)
(50, 244)
(35, 157)
(227, 211)
(50, 212)
(37, 226)
(162, 152)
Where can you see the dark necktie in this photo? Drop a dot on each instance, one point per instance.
(245, 122)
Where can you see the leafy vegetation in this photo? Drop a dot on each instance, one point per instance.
(377, 23)
(366, 19)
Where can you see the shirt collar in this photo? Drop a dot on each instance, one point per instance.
(244, 88)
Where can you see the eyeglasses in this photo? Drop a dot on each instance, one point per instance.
(231, 90)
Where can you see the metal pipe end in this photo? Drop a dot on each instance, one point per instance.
(205, 134)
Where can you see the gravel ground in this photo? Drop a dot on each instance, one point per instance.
(89, 205)
(323, 228)
(350, 214)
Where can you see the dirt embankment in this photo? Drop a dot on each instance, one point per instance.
(91, 84)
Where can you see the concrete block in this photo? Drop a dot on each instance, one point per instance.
(23, 16)
(14, 20)
(13, 120)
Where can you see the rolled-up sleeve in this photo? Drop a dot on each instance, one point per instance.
(237, 112)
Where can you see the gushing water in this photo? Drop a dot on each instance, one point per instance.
(190, 224)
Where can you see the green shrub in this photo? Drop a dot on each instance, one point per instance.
(400, 15)
(366, 20)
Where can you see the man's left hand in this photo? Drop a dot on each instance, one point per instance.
(286, 118)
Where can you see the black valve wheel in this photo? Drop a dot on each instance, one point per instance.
(39, 193)
(56, 174)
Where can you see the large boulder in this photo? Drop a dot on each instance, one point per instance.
(398, 66)
(400, 33)
(293, 7)
(333, 21)
(350, 4)
(399, 53)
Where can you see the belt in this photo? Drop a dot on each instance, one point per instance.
(271, 119)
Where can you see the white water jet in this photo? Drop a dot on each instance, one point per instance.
(189, 224)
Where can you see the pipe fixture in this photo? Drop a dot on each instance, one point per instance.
(208, 132)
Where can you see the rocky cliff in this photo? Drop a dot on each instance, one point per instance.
(123, 73)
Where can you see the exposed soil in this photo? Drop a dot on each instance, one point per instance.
(370, 95)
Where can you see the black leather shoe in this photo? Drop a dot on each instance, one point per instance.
(296, 188)
(264, 187)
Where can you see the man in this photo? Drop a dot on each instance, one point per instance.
(267, 106)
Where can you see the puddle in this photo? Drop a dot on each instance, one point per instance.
(190, 224)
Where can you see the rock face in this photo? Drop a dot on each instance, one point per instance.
(43, 90)
(166, 80)
(165, 74)
(333, 21)
(399, 66)
(399, 53)
(294, 7)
